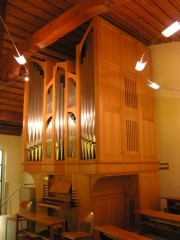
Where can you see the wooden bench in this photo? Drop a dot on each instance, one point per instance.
(160, 223)
(173, 204)
(112, 232)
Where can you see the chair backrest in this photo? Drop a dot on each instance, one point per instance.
(25, 206)
(86, 223)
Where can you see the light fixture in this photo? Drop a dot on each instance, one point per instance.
(152, 84)
(140, 65)
(171, 29)
(20, 59)
(26, 78)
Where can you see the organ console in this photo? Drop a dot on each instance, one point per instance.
(60, 195)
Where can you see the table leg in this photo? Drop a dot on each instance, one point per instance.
(51, 232)
(17, 226)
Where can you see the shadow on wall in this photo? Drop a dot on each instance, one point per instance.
(27, 180)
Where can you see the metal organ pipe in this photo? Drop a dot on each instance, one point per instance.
(59, 120)
(35, 113)
(88, 139)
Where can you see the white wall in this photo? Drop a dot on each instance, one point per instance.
(166, 72)
(12, 147)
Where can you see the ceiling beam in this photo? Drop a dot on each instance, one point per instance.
(3, 4)
(59, 27)
(68, 21)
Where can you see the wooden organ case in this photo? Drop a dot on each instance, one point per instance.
(97, 125)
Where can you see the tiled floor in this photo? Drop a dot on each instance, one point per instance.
(10, 230)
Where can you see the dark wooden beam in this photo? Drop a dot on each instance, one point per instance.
(3, 4)
(11, 122)
(11, 116)
(71, 19)
(59, 27)
(8, 129)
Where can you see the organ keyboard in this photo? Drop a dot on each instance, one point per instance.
(60, 195)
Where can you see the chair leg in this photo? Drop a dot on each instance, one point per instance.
(6, 229)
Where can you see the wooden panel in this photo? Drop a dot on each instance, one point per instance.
(115, 210)
(109, 185)
(59, 186)
(109, 210)
(59, 168)
(33, 168)
(128, 53)
(111, 137)
(144, 193)
(111, 199)
(81, 183)
(109, 43)
(110, 168)
(149, 191)
(148, 141)
(150, 166)
(146, 99)
(89, 167)
(99, 206)
(110, 85)
(133, 168)
(109, 92)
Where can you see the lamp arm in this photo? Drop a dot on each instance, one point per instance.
(149, 46)
(10, 36)
(15, 79)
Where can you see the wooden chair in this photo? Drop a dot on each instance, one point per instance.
(84, 230)
(25, 206)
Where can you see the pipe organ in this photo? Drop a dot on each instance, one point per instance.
(35, 113)
(59, 113)
(93, 118)
(88, 137)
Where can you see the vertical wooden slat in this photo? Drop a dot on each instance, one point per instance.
(130, 93)
(132, 136)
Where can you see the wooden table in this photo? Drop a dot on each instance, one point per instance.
(52, 222)
(118, 233)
